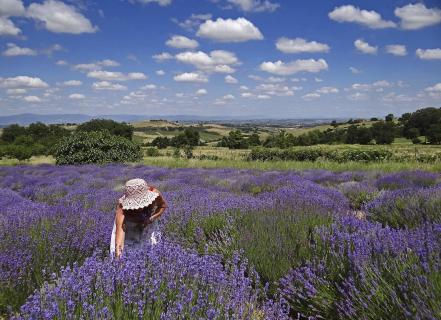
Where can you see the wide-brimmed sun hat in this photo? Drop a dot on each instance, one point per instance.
(137, 194)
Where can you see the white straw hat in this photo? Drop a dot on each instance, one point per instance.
(137, 194)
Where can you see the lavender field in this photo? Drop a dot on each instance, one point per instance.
(236, 244)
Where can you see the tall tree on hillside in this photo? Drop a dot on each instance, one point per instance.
(121, 129)
(11, 132)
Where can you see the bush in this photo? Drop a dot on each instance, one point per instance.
(176, 152)
(406, 208)
(96, 147)
(17, 151)
(119, 129)
(313, 154)
(188, 151)
(208, 157)
(416, 141)
(152, 152)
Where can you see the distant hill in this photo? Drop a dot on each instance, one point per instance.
(28, 118)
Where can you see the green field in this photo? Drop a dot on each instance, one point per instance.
(405, 153)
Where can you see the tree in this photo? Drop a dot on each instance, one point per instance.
(254, 140)
(389, 117)
(96, 147)
(17, 151)
(383, 132)
(412, 133)
(434, 134)
(116, 128)
(161, 142)
(190, 136)
(422, 119)
(11, 132)
(351, 134)
(405, 117)
(364, 135)
(235, 140)
(38, 130)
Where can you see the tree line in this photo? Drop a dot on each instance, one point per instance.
(421, 126)
(40, 139)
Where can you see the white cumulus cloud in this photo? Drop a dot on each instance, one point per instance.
(396, 49)
(162, 56)
(299, 45)
(32, 99)
(354, 70)
(310, 96)
(8, 28)
(116, 76)
(58, 17)
(370, 19)
(365, 47)
(435, 88)
(417, 16)
(106, 85)
(182, 42)
(219, 61)
(428, 54)
(13, 50)
(149, 86)
(282, 68)
(327, 90)
(162, 3)
(72, 83)
(193, 22)
(22, 82)
(201, 92)
(255, 5)
(15, 92)
(229, 30)
(190, 77)
(231, 80)
(76, 96)
(10, 8)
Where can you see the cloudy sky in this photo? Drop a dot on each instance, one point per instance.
(261, 58)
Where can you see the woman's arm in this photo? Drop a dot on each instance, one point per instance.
(119, 236)
(161, 206)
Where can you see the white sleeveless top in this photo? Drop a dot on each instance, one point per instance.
(136, 234)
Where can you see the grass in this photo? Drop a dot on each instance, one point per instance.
(289, 165)
(34, 160)
(169, 162)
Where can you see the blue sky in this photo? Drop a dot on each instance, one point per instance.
(256, 58)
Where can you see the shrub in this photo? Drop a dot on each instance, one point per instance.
(406, 208)
(208, 157)
(96, 147)
(361, 270)
(152, 152)
(188, 151)
(164, 281)
(416, 141)
(314, 153)
(17, 151)
(115, 128)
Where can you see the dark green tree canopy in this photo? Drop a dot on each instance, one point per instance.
(121, 129)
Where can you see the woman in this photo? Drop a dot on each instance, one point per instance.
(136, 216)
